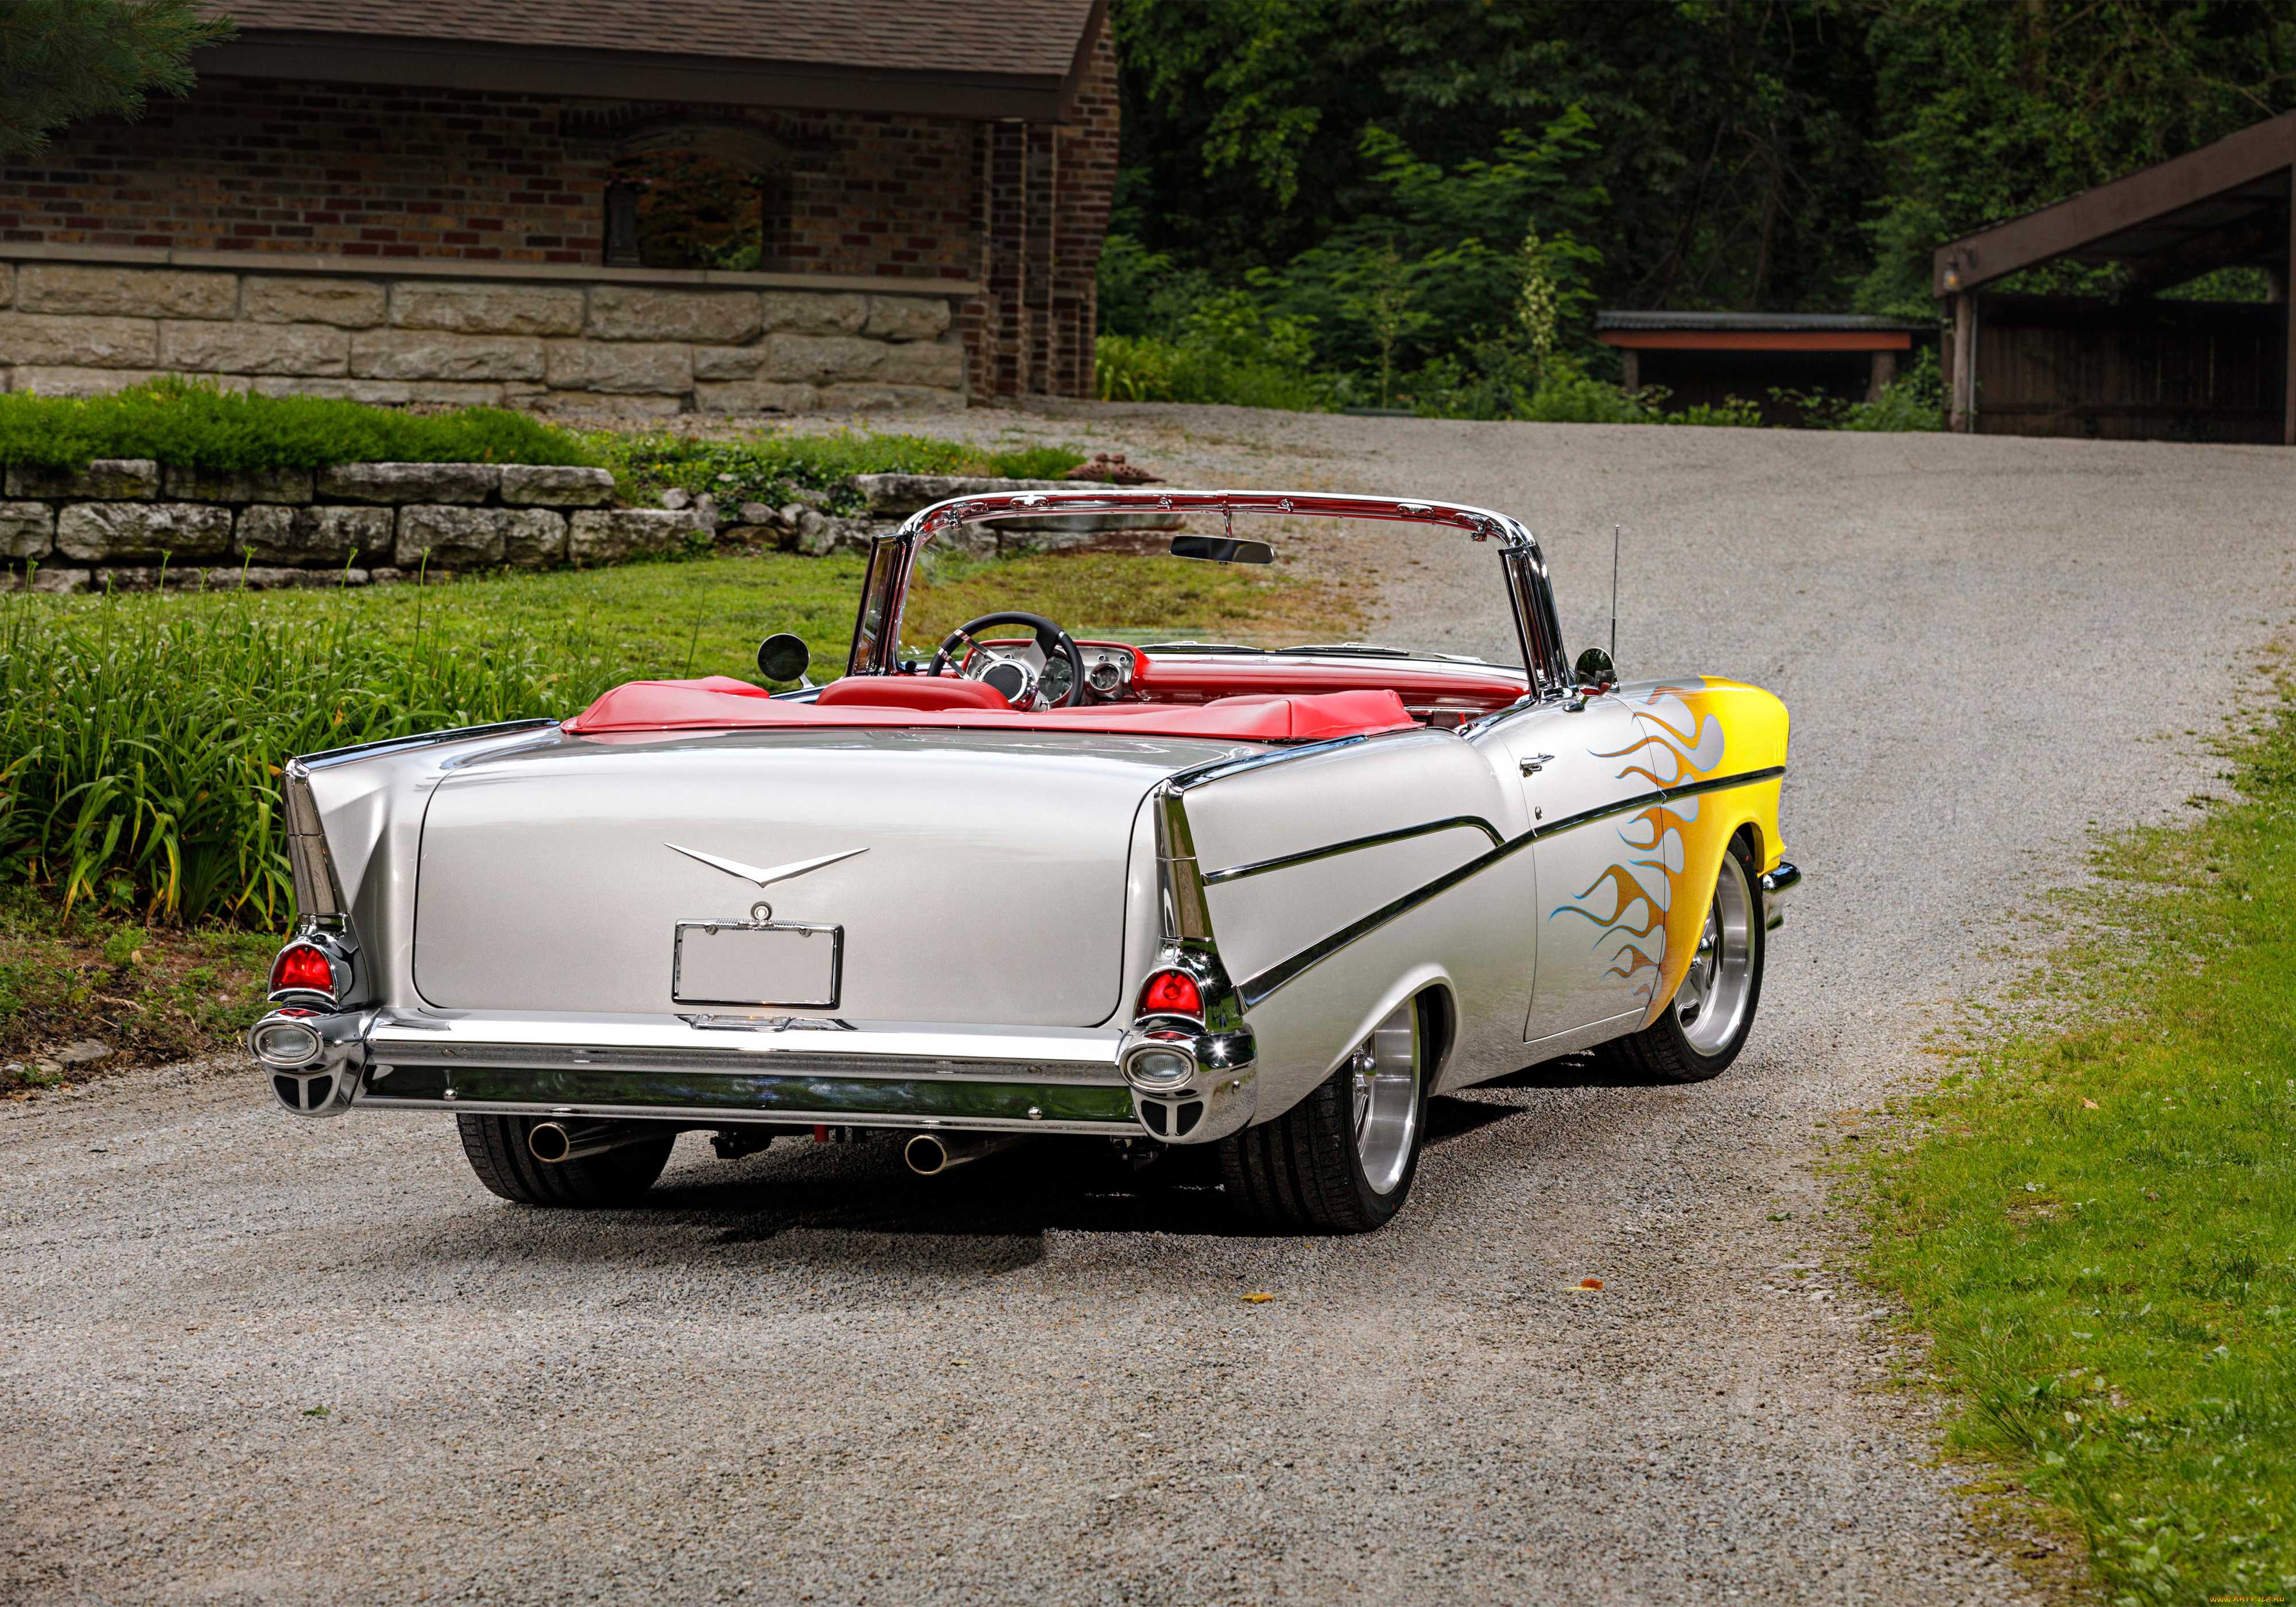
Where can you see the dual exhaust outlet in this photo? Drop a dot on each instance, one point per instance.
(927, 1154)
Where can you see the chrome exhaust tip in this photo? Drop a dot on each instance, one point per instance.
(930, 1154)
(554, 1143)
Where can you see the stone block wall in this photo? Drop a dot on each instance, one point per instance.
(636, 340)
(129, 525)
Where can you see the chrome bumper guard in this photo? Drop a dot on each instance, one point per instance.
(708, 1070)
(1775, 885)
(315, 1061)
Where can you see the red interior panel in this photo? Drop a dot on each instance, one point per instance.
(718, 702)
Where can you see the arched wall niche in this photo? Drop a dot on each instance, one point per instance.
(684, 190)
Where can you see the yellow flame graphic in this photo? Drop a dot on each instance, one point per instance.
(1677, 745)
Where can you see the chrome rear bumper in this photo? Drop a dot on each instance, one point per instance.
(1775, 885)
(708, 1070)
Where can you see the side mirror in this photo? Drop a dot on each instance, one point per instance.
(783, 657)
(1222, 549)
(1595, 669)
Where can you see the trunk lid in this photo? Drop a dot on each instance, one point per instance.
(991, 886)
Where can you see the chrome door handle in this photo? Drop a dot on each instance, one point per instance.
(1531, 766)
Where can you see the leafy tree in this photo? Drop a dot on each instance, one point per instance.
(1431, 264)
(61, 60)
(1730, 138)
(1994, 109)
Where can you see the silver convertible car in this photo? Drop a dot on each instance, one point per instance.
(1038, 888)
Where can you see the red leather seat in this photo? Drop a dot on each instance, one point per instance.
(926, 694)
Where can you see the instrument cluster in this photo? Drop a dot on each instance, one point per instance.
(1020, 672)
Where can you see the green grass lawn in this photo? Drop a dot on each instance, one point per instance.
(2099, 1225)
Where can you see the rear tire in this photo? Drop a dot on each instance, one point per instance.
(497, 1152)
(1705, 1025)
(1342, 1161)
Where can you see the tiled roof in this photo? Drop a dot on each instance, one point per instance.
(1031, 37)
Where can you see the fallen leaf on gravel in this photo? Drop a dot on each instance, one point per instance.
(1257, 1298)
(1590, 1282)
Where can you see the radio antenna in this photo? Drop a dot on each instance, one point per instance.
(1614, 595)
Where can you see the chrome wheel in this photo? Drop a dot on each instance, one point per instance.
(1718, 990)
(1384, 1071)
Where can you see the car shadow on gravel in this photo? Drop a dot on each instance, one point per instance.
(1577, 1071)
(1044, 1186)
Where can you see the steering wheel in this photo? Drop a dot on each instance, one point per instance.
(1050, 639)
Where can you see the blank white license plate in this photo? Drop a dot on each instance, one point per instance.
(742, 962)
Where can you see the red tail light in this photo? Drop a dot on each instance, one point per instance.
(1171, 993)
(301, 968)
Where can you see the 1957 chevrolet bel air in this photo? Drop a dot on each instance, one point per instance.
(1177, 895)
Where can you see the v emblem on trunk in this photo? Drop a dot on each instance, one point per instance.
(765, 875)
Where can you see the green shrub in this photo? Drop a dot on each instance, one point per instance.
(1732, 412)
(1229, 349)
(767, 468)
(1565, 396)
(195, 424)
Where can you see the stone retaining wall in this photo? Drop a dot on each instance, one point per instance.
(405, 334)
(123, 523)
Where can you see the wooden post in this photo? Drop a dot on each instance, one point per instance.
(1964, 363)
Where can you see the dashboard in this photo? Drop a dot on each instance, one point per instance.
(1439, 689)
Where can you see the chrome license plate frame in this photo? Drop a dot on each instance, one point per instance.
(702, 977)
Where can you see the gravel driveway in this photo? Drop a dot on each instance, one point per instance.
(243, 1358)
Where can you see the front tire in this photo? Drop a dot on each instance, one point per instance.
(1342, 1161)
(1705, 1025)
(496, 1147)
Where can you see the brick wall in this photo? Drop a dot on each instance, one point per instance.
(1040, 203)
(263, 166)
(273, 169)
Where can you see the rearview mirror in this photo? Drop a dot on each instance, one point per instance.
(783, 657)
(1595, 669)
(1222, 549)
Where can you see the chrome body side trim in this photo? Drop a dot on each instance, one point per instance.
(318, 890)
(1237, 873)
(1643, 800)
(1252, 990)
(1775, 885)
(1581, 1038)
(328, 757)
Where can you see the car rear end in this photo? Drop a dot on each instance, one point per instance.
(940, 930)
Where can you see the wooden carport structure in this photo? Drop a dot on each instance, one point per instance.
(2134, 366)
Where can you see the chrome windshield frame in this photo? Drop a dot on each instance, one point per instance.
(1530, 596)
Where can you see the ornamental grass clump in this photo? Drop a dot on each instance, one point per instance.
(140, 743)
